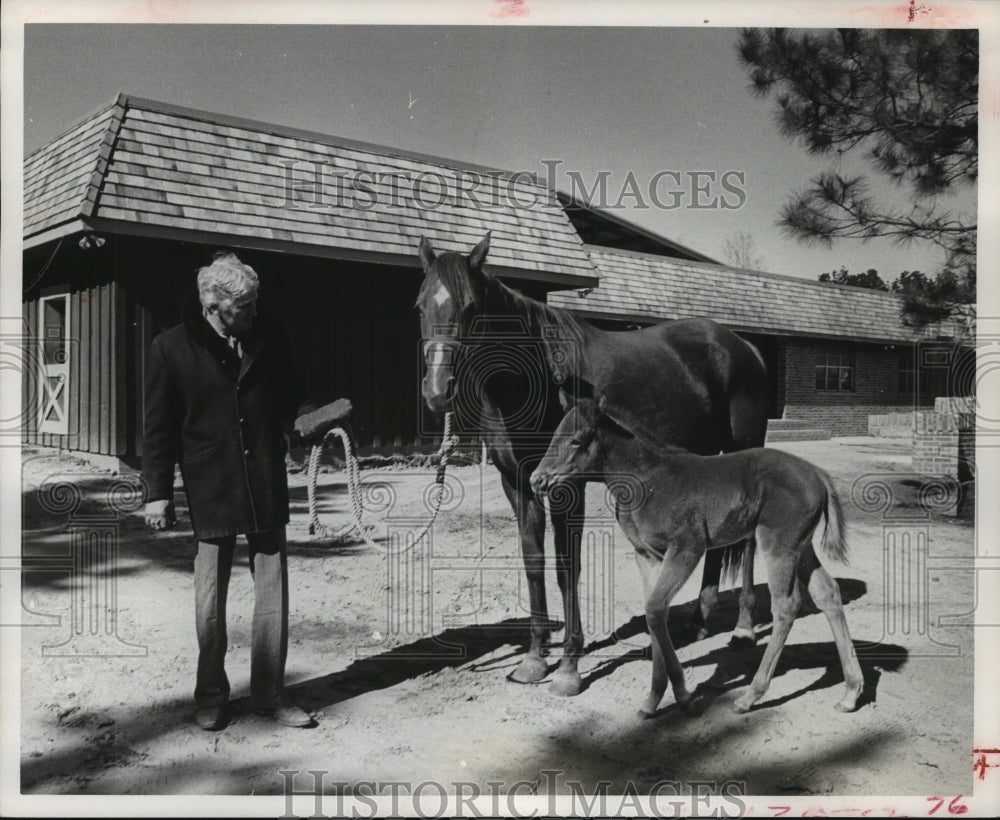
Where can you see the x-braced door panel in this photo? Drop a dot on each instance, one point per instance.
(53, 398)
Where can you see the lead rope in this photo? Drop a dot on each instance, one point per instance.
(357, 525)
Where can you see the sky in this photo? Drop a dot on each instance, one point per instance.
(625, 103)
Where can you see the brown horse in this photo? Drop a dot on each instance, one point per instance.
(679, 505)
(498, 358)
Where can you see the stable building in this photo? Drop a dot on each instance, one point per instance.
(835, 354)
(122, 209)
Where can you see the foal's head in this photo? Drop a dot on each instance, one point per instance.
(580, 444)
(452, 284)
(574, 451)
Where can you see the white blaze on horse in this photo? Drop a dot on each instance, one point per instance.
(680, 505)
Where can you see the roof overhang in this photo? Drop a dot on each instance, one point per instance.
(112, 227)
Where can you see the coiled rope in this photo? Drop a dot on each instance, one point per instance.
(357, 526)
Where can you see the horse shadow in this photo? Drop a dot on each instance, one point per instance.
(463, 646)
(737, 663)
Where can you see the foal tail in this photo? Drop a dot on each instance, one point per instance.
(833, 539)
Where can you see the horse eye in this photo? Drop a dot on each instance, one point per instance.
(575, 441)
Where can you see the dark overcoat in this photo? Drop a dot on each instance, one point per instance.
(224, 421)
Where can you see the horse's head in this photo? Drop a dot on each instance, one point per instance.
(452, 283)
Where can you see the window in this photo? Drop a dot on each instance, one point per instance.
(834, 369)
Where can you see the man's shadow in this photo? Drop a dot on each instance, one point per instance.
(450, 648)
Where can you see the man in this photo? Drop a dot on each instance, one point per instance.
(220, 395)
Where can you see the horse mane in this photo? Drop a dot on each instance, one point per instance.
(491, 297)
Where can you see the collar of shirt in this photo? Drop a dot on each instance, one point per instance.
(231, 341)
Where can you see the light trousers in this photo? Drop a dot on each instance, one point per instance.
(269, 634)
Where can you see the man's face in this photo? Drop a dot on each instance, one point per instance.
(236, 315)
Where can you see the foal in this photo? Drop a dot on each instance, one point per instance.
(683, 504)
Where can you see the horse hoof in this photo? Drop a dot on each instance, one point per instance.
(742, 706)
(743, 637)
(645, 715)
(530, 670)
(567, 684)
(846, 705)
(700, 633)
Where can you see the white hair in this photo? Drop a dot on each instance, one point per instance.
(226, 279)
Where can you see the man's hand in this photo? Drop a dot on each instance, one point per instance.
(160, 515)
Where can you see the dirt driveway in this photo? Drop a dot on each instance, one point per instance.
(402, 655)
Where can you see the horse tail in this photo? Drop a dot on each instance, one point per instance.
(833, 538)
(732, 561)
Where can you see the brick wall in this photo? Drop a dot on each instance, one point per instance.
(843, 413)
(944, 444)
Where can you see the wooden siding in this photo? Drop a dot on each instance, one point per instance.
(94, 386)
(353, 334)
(644, 287)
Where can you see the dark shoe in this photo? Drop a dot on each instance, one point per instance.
(212, 718)
(287, 714)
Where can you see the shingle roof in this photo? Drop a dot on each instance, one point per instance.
(60, 179)
(152, 168)
(645, 288)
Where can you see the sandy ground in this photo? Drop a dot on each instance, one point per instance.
(403, 656)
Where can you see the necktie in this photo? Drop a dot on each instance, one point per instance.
(237, 348)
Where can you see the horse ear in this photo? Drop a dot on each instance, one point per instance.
(478, 255)
(602, 403)
(427, 254)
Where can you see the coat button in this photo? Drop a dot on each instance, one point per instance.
(247, 453)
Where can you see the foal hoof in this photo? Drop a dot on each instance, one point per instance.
(852, 696)
(530, 670)
(847, 704)
(743, 705)
(690, 707)
(567, 684)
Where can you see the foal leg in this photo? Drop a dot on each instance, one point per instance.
(826, 595)
(785, 601)
(678, 564)
(566, 528)
(531, 526)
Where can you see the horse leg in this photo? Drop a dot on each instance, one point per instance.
(678, 564)
(531, 530)
(566, 533)
(786, 598)
(826, 595)
(744, 632)
(709, 595)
